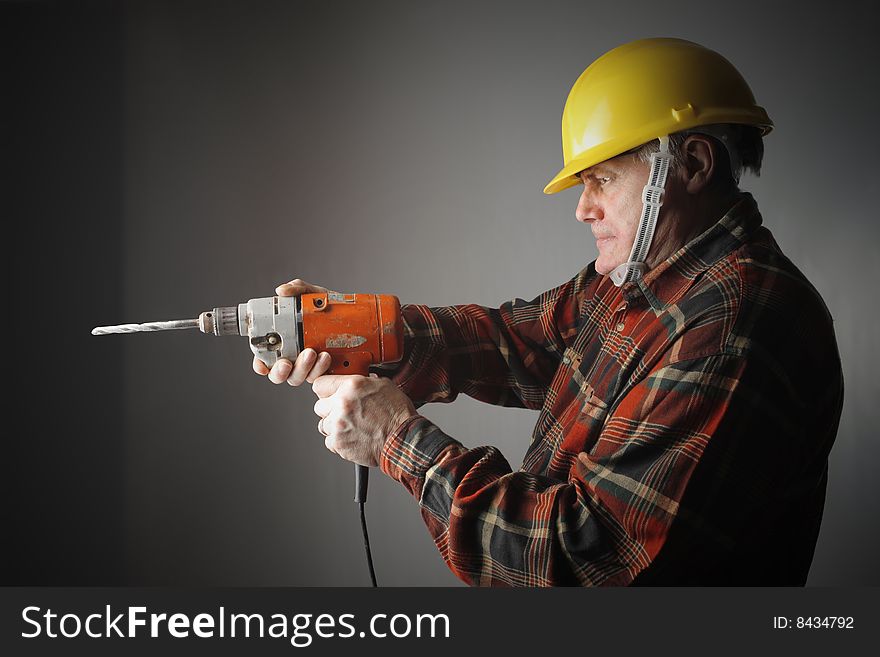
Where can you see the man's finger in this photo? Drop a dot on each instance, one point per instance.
(297, 286)
(302, 366)
(280, 371)
(320, 366)
(291, 287)
(323, 406)
(260, 367)
(326, 385)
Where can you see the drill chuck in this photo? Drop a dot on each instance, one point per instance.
(220, 321)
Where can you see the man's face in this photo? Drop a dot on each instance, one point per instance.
(611, 202)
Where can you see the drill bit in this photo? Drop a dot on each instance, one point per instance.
(151, 326)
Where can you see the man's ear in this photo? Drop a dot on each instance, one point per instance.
(700, 156)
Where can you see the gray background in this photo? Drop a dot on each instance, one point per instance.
(168, 157)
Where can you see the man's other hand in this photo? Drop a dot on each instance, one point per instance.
(309, 364)
(358, 413)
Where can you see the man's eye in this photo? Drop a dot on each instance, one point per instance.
(598, 181)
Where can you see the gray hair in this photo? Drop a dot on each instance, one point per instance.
(743, 143)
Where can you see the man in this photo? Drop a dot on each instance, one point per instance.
(688, 381)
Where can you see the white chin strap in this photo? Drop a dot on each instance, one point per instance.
(652, 199)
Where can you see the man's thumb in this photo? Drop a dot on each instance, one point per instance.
(327, 384)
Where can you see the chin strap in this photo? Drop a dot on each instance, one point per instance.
(652, 199)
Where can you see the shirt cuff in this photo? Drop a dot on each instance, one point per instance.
(412, 450)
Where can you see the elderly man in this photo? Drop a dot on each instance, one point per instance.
(688, 380)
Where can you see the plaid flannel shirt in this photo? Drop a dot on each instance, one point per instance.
(684, 429)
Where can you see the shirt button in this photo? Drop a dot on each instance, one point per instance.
(620, 326)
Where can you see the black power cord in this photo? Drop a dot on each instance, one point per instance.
(367, 545)
(361, 481)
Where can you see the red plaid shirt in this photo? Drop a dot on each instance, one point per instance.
(684, 429)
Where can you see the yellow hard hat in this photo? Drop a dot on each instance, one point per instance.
(643, 90)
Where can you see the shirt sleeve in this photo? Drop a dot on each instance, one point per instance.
(505, 356)
(719, 425)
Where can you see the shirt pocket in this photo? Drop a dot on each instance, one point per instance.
(581, 427)
(594, 410)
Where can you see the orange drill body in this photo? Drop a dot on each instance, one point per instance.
(357, 330)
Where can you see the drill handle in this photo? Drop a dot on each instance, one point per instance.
(361, 479)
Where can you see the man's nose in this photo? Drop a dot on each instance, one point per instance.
(587, 209)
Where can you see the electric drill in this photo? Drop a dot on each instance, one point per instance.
(357, 330)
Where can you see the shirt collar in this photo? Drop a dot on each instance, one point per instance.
(666, 283)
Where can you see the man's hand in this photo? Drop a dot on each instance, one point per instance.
(358, 413)
(309, 364)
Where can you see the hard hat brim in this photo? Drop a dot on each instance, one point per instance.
(567, 176)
